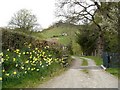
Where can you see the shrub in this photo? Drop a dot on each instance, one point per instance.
(23, 56)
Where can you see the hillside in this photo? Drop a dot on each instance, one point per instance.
(64, 34)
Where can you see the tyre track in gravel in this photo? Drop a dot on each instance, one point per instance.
(76, 78)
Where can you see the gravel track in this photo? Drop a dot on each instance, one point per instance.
(76, 78)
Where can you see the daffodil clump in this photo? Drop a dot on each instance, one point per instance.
(19, 62)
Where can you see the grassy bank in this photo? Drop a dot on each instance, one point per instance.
(28, 61)
(27, 68)
(114, 71)
(32, 80)
(98, 61)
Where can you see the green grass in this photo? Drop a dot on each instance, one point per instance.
(85, 71)
(32, 80)
(97, 59)
(84, 62)
(64, 40)
(114, 71)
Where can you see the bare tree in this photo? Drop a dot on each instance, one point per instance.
(24, 19)
(76, 11)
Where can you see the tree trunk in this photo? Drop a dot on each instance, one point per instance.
(100, 43)
(119, 27)
(100, 46)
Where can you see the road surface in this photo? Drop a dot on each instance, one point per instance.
(76, 78)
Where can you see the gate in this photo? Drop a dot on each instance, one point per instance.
(111, 60)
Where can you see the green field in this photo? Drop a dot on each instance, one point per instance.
(56, 33)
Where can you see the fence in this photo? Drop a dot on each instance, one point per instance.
(111, 60)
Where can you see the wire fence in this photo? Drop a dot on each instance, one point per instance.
(111, 60)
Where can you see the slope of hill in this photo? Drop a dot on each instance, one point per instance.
(64, 34)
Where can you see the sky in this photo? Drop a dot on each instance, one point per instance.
(43, 9)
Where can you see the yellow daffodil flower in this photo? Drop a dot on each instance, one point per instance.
(0, 78)
(37, 69)
(36, 48)
(1, 54)
(7, 74)
(24, 53)
(27, 61)
(8, 49)
(3, 70)
(14, 72)
(22, 67)
(14, 59)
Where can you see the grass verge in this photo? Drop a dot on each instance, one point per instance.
(97, 59)
(114, 71)
(84, 62)
(85, 71)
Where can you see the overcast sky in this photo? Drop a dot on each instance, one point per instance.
(43, 9)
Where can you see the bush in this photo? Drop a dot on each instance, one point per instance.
(25, 56)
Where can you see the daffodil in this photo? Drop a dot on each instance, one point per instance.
(14, 72)
(25, 71)
(3, 70)
(43, 53)
(30, 57)
(33, 61)
(36, 48)
(17, 50)
(30, 52)
(0, 78)
(24, 53)
(32, 69)
(40, 63)
(7, 74)
(33, 51)
(2, 59)
(16, 65)
(14, 59)
(37, 69)
(8, 49)
(36, 59)
(28, 68)
(18, 55)
(1, 54)
(50, 55)
(27, 52)
(47, 46)
(22, 67)
(27, 61)
(29, 45)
